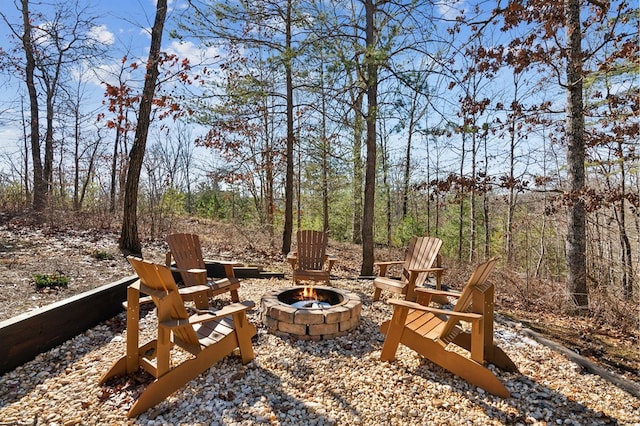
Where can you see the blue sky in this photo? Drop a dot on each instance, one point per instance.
(123, 25)
(119, 25)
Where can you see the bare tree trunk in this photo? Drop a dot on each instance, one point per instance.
(576, 233)
(129, 239)
(625, 245)
(543, 239)
(357, 170)
(25, 140)
(461, 210)
(76, 150)
(61, 176)
(511, 199)
(47, 170)
(114, 168)
(414, 118)
(124, 166)
(87, 179)
(370, 175)
(385, 185)
(268, 178)
(39, 182)
(288, 186)
(485, 206)
(428, 173)
(472, 207)
(324, 153)
(299, 190)
(325, 169)
(407, 163)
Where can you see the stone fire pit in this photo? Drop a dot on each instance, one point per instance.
(330, 312)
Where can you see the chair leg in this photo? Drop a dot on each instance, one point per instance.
(458, 364)
(394, 332)
(499, 358)
(119, 368)
(244, 331)
(179, 376)
(472, 372)
(234, 296)
(376, 294)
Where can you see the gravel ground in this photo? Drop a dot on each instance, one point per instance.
(26, 251)
(334, 382)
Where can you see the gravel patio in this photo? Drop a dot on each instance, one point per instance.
(333, 382)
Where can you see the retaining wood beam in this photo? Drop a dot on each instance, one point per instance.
(25, 336)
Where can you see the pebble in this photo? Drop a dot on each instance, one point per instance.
(333, 382)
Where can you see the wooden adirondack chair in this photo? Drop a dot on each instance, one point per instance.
(429, 331)
(187, 252)
(417, 265)
(310, 262)
(208, 335)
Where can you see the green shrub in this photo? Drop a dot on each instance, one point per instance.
(102, 255)
(50, 281)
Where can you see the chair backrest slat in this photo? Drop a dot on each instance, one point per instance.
(170, 306)
(477, 283)
(421, 254)
(312, 247)
(187, 252)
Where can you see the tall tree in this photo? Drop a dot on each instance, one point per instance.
(371, 65)
(39, 182)
(28, 45)
(121, 101)
(52, 43)
(577, 229)
(357, 167)
(289, 178)
(129, 239)
(271, 25)
(553, 38)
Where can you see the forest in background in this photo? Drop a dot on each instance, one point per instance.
(376, 121)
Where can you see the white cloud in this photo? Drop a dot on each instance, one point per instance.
(194, 53)
(101, 34)
(452, 9)
(109, 72)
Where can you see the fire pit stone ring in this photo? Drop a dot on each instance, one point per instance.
(335, 312)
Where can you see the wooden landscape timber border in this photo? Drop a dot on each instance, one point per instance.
(25, 336)
(632, 388)
(216, 270)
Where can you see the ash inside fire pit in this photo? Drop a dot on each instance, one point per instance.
(310, 297)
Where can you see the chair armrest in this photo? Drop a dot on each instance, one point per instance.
(223, 262)
(331, 260)
(464, 316)
(292, 258)
(388, 263)
(204, 315)
(383, 266)
(228, 266)
(189, 271)
(192, 290)
(428, 270)
(199, 274)
(434, 292)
